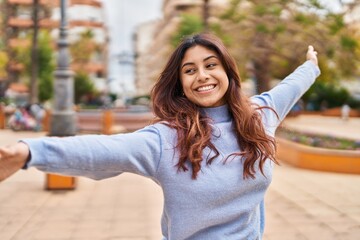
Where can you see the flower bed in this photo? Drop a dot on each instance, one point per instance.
(313, 152)
(317, 140)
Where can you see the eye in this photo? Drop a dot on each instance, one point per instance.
(189, 71)
(211, 65)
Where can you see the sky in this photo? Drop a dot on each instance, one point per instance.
(122, 17)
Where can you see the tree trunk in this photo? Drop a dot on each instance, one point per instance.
(206, 15)
(261, 73)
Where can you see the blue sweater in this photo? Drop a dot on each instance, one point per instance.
(220, 204)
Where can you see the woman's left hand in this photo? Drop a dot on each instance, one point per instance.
(312, 55)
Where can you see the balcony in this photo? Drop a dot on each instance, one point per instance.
(82, 23)
(20, 23)
(92, 67)
(49, 23)
(30, 2)
(17, 42)
(16, 67)
(93, 3)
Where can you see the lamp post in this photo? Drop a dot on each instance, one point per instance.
(63, 115)
(62, 121)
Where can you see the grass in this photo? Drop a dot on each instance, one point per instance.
(317, 140)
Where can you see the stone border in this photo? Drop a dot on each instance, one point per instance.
(321, 159)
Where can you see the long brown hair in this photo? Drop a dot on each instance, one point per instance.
(193, 128)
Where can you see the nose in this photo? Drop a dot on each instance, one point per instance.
(202, 75)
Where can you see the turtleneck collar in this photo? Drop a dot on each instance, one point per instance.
(218, 114)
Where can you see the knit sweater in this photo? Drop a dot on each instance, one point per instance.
(220, 203)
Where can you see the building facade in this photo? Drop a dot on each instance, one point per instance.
(82, 15)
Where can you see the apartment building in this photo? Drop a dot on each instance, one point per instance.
(152, 55)
(82, 15)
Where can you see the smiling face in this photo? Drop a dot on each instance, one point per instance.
(203, 77)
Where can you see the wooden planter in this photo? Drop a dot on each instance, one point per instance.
(321, 159)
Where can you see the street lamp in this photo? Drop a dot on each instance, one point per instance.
(63, 116)
(62, 121)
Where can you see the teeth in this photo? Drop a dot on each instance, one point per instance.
(206, 88)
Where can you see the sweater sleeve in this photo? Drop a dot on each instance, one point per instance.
(98, 156)
(284, 95)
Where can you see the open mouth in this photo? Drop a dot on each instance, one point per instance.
(206, 88)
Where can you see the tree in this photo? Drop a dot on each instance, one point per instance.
(192, 24)
(83, 49)
(46, 66)
(273, 36)
(189, 24)
(3, 63)
(83, 86)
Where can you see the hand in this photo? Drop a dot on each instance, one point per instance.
(12, 158)
(312, 55)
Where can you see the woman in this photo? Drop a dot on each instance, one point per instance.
(211, 151)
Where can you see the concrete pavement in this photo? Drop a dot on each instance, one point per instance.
(300, 204)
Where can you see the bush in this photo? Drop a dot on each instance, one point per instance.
(83, 86)
(326, 95)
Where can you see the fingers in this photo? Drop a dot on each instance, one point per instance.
(311, 50)
(312, 55)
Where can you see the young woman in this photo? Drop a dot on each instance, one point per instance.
(211, 150)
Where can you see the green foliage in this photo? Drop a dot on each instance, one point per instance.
(190, 24)
(46, 64)
(46, 67)
(348, 43)
(262, 28)
(325, 94)
(282, 31)
(22, 55)
(217, 30)
(83, 49)
(304, 19)
(336, 23)
(3, 62)
(83, 86)
(315, 4)
(260, 10)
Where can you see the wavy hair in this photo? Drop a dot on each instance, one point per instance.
(193, 128)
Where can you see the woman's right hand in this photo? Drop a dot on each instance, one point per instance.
(12, 158)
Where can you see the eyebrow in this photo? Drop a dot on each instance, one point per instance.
(205, 59)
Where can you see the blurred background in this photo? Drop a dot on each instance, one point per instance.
(118, 48)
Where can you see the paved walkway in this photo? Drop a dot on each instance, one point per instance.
(301, 205)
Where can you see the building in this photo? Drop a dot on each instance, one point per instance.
(153, 54)
(82, 15)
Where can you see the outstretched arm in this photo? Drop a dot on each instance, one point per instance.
(93, 156)
(283, 96)
(12, 158)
